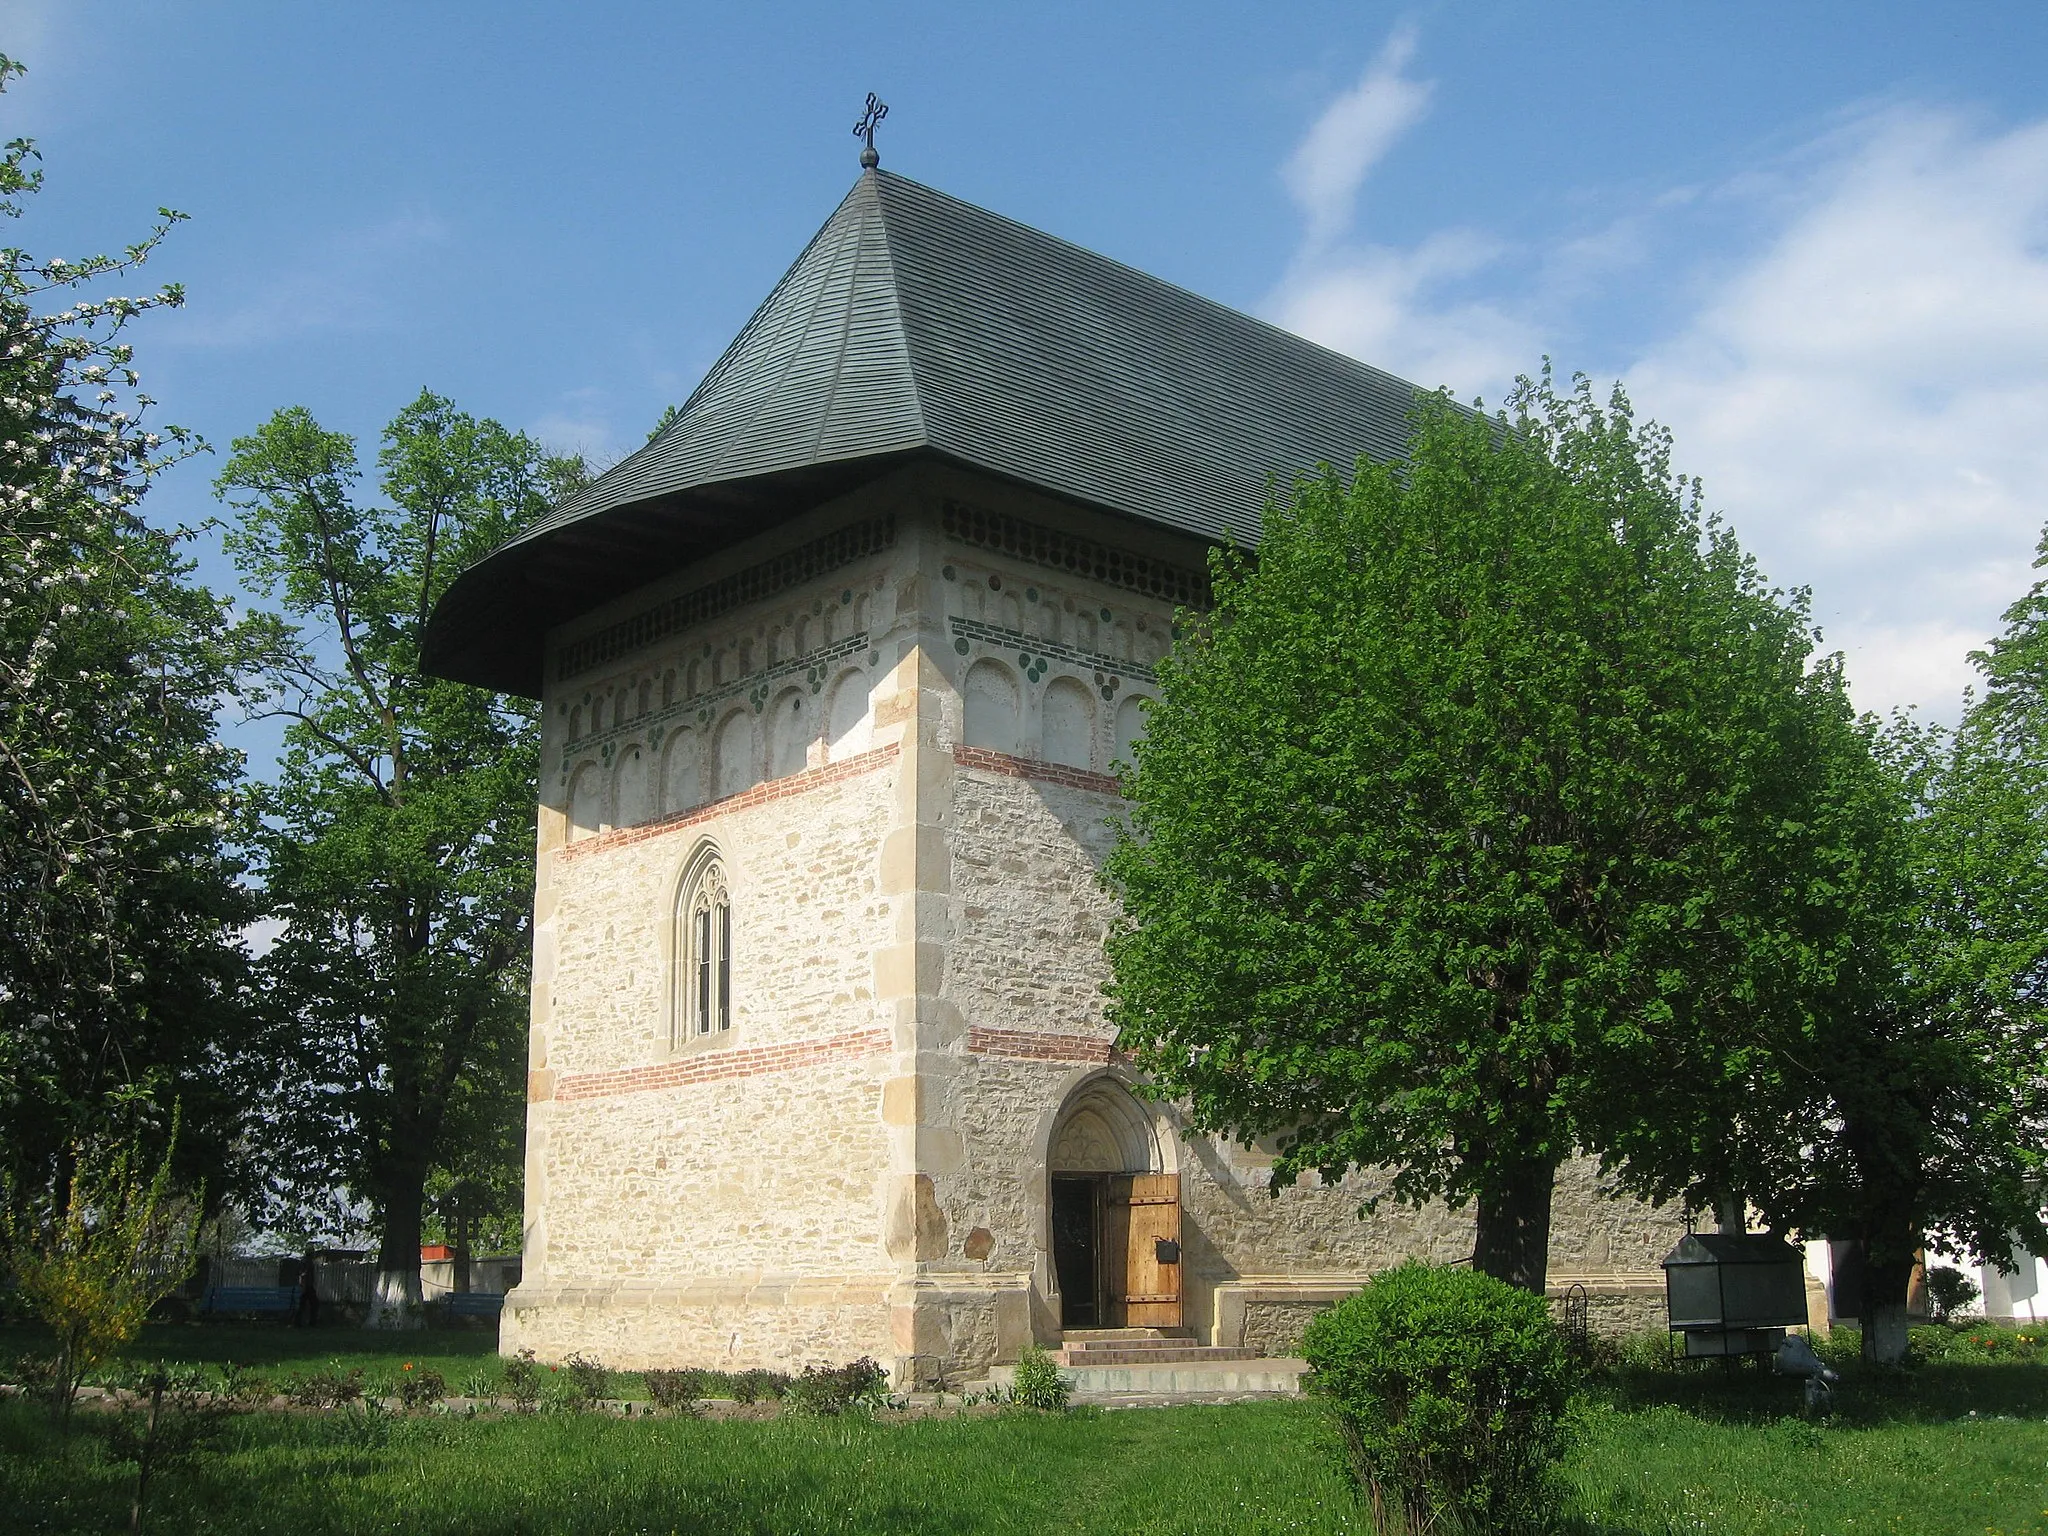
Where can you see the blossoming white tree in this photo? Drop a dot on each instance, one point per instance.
(118, 892)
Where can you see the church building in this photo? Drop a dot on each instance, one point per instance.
(836, 674)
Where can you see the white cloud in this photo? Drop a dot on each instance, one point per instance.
(581, 423)
(1352, 136)
(1863, 384)
(1387, 306)
(1868, 395)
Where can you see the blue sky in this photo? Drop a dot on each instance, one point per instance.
(1813, 239)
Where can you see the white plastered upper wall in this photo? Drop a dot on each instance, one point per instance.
(767, 688)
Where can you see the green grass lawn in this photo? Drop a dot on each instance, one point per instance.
(277, 1352)
(1944, 1450)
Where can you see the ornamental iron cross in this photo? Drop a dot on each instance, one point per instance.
(870, 119)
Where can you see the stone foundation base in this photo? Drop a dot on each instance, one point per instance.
(732, 1324)
(1617, 1306)
(951, 1329)
(1269, 1313)
(929, 1331)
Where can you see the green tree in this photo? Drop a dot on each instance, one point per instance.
(1918, 1108)
(1477, 819)
(1914, 1107)
(670, 414)
(399, 849)
(121, 974)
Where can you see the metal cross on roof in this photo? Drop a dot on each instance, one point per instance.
(870, 119)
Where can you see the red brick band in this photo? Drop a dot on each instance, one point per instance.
(746, 799)
(1034, 1045)
(1032, 768)
(716, 1066)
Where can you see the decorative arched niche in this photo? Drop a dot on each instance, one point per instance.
(790, 729)
(586, 801)
(989, 705)
(1067, 730)
(1130, 726)
(1104, 1128)
(633, 787)
(734, 756)
(682, 772)
(847, 733)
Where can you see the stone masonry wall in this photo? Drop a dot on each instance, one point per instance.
(715, 1199)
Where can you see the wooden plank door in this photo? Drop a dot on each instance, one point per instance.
(1141, 1244)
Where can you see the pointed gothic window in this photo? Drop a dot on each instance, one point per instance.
(704, 955)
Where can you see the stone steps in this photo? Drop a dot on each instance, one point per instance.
(1125, 1335)
(1142, 1346)
(1204, 1380)
(1148, 1352)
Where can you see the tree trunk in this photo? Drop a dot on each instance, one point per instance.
(1887, 1274)
(1513, 1241)
(396, 1303)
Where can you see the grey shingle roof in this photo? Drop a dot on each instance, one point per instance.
(918, 324)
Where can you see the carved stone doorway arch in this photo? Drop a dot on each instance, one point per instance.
(1113, 1193)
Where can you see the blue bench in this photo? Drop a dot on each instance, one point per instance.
(250, 1298)
(473, 1303)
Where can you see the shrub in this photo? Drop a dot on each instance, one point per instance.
(35, 1374)
(1451, 1389)
(420, 1389)
(1038, 1383)
(93, 1264)
(1980, 1341)
(560, 1394)
(756, 1386)
(824, 1392)
(590, 1379)
(363, 1426)
(1951, 1291)
(240, 1384)
(676, 1391)
(1646, 1351)
(522, 1379)
(326, 1389)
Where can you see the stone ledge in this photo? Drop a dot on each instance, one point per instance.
(710, 1291)
(1618, 1283)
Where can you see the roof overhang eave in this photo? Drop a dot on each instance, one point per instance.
(490, 627)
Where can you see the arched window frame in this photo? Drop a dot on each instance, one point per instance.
(701, 993)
